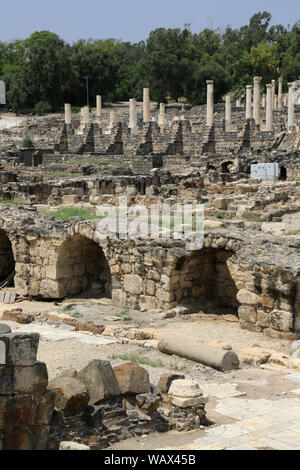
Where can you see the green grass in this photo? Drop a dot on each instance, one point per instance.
(124, 315)
(219, 215)
(7, 201)
(175, 366)
(68, 212)
(68, 309)
(139, 359)
(76, 315)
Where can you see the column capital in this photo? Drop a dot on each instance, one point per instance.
(249, 86)
(209, 82)
(257, 79)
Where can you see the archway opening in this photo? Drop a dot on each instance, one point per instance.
(82, 268)
(7, 261)
(283, 173)
(204, 279)
(226, 166)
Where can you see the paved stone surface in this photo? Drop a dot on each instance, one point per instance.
(222, 390)
(59, 334)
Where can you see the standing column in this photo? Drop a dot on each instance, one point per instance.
(162, 115)
(146, 105)
(280, 92)
(210, 103)
(68, 114)
(256, 100)
(269, 108)
(228, 113)
(273, 93)
(86, 115)
(249, 102)
(132, 114)
(291, 105)
(99, 110)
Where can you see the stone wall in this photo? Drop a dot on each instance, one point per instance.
(26, 405)
(144, 273)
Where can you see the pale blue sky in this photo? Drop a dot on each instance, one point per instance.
(132, 20)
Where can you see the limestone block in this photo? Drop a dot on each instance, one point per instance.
(21, 348)
(133, 284)
(31, 379)
(249, 298)
(281, 320)
(147, 302)
(43, 409)
(132, 378)
(6, 382)
(165, 381)
(100, 380)
(220, 203)
(71, 395)
(248, 314)
(4, 329)
(66, 445)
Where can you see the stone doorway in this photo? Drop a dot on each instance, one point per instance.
(7, 261)
(83, 268)
(204, 278)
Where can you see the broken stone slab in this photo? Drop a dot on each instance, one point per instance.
(68, 445)
(20, 348)
(18, 317)
(148, 402)
(4, 329)
(165, 381)
(100, 380)
(191, 348)
(30, 379)
(71, 395)
(257, 356)
(132, 378)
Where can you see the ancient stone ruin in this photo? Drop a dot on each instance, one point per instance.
(240, 163)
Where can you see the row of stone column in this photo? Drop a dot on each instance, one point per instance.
(253, 110)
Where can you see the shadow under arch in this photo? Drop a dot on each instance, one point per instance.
(7, 260)
(203, 278)
(81, 267)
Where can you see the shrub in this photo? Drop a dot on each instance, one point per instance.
(27, 142)
(42, 107)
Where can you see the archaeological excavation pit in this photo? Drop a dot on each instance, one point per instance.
(82, 268)
(204, 278)
(7, 262)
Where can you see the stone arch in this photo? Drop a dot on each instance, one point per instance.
(7, 259)
(225, 166)
(283, 173)
(82, 266)
(203, 278)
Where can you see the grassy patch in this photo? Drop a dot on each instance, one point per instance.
(124, 315)
(139, 359)
(76, 315)
(175, 366)
(68, 212)
(219, 215)
(68, 309)
(7, 201)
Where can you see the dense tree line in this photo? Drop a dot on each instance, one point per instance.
(42, 72)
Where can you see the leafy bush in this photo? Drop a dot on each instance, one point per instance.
(27, 142)
(42, 107)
